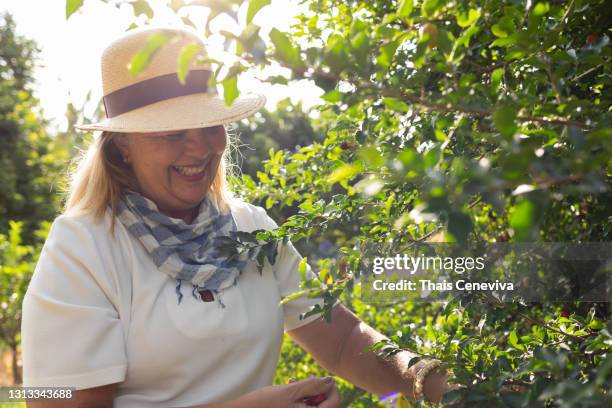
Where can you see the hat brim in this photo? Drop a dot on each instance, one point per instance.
(183, 112)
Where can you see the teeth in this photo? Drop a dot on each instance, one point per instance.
(189, 170)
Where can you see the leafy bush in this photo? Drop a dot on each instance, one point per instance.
(449, 121)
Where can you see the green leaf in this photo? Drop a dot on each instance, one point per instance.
(403, 402)
(302, 268)
(396, 104)
(244, 236)
(504, 119)
(430, 333)
(504, 27)
(188, 53)
(540, 9)
(432, 156)
(269, 203)
(254, 7)
(259, 260)
(314, 311)
(140, 61)
(389, 204)
(335, 52)
(522, 217)
(371, 156)
(431, 7)
(72, 6)
(175, 5)
(270, 249)
(249, 40)
(142, 7)
(230, 89)
(332, 96)
(445, 41)
(467, 18)
(278, 79)
(505, 41)
(284, 50)
(387, 51)
(404, 8)
(513, 340)
(496, 77)
(360, 45)
(230, 92)
(344, 172)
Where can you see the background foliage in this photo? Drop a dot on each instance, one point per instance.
(30, 160)
(456, 121)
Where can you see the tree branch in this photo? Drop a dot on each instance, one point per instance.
(423, 105)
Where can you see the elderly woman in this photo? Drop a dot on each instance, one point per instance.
(109, 309)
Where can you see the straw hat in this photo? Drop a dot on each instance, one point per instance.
(155, 100)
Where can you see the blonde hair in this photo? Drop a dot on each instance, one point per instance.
(100, 175)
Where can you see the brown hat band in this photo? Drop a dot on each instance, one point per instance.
(154, 90)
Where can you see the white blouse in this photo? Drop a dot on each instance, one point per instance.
(98, 311)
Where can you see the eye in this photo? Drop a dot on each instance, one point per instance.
(214, 131)
(174, 137)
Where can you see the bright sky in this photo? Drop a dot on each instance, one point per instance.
(70, 49)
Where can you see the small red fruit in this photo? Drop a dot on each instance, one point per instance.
(565, 312)
(591, 38)
(432, 31)
(314, 400)
(346, 146)
(585, 209)
(525, 282)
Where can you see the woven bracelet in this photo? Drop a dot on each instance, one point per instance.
(427, 368)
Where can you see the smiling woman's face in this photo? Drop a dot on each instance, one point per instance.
(175, 169)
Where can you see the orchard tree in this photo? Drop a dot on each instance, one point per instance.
(457, 121)
(30, 160)
(17, 261)
(30, 163)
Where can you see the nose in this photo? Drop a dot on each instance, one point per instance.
(196, 144)
(205, 141)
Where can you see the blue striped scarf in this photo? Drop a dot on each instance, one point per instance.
(186, 252)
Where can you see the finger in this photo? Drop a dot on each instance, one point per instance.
(312, 386)
(333, 399)
(452, 386)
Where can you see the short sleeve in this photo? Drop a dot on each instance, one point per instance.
(71, 331)
(289, 278)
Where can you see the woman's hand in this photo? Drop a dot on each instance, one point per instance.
(436, 384)
(314, 391)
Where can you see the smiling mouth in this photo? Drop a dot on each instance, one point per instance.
(191, 171)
